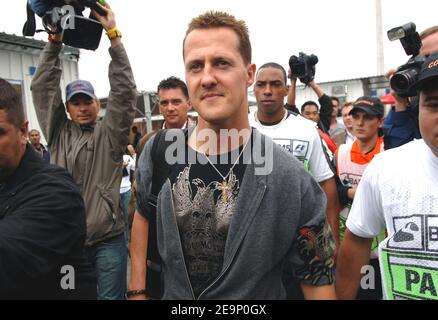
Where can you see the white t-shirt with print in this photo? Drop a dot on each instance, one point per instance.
(399, 190)
(299, 136)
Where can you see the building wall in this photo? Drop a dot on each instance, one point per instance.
(346, 90)
(17, 64)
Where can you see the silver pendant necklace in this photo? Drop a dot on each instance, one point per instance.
(226, 187)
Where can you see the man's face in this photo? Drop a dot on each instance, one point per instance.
(217, 77)
(270, 90)
(83, 109)
(365, 126)
(12, 145)
(348, 120)
(311, 112)
(34, 137)
(131, 149)
(428, 117)
(174, 107)
(429, 44)
(335, 108)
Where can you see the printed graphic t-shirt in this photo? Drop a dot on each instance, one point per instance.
(399, 190)
(300, 137)
(204, 206)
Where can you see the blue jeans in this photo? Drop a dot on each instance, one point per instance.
(124, 201)
(109, 257)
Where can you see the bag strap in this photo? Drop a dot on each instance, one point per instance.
(161, 168)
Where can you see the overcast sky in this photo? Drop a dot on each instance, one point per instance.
(341, 33)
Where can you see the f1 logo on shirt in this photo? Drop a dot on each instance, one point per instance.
(299, 148)
(416, 232)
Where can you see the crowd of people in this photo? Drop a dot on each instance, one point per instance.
(278, 203)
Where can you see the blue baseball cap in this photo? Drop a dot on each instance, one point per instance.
(79, 86)
(370, 105)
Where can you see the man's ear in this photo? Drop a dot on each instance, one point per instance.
(251, 70)
(97, 102)
(24, 130)
(189, 105)
(381, 120)
(286, 90)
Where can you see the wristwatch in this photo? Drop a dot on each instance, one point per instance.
(131, 293)
(114, 33)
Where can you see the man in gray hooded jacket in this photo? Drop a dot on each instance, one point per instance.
(92, 150)
(236, 210)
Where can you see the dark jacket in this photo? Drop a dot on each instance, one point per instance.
(325, 112)
(400, 127)
(43, 153)
(42, 229)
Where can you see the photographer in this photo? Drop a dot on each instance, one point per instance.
(324, 114)
(91, 149)
(401, 124)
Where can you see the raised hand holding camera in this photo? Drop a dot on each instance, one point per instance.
(303, 67)
(404, 79)
(104, 15)
(66, 17)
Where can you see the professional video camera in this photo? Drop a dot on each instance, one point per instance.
(404, 79)
(65, 16)
(303, 67)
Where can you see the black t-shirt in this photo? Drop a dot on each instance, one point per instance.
(204, 204)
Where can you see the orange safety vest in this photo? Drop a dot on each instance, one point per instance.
(350, 165)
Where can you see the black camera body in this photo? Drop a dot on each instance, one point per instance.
(66, 16)
(404, 79)
(303, 67)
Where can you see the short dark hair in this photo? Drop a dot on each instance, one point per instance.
(309, 103)
(335, 98)
(275, 66)
(10, 101)
(219, 19)
(173, 83)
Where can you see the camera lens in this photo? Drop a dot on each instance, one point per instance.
(313, 59)
(403, 80)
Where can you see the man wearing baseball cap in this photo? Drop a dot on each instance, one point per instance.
(399, 191)
(351, 161)
(92, 149)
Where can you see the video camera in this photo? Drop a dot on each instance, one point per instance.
(66, 16)
(303, 67)
(404, 79)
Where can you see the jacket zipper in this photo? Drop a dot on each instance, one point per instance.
(180, 245)
(217, 279)
(224, 270)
